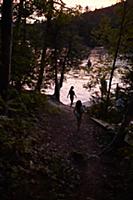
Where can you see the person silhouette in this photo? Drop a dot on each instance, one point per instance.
(78, 111)
(72, 94)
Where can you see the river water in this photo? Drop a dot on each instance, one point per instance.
(78, 79)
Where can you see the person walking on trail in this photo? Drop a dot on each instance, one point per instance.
(78, 111)
(72, 94)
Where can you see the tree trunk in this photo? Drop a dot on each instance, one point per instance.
(59, 83)
(57, 86)
(41, 70)
(57, 91)
(64, 66)
(43, 58)
(6, 47)
(62, 75)
(115, 56)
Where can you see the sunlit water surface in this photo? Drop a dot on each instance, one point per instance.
(79, 79)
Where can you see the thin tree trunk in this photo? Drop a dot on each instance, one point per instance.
(43, 57)
(41, 71)
(62, 74)
(57, 91)
(59, 83)
(57, 86)
(116, 54)
(6, 47)
(64, 66)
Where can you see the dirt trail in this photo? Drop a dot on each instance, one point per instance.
(102, 178)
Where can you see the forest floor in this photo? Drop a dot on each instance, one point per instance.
(62, 163)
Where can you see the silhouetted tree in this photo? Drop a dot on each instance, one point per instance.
(6, 47)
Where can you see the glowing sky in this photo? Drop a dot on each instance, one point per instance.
(92, 4)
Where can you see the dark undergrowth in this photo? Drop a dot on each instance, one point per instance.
(27, 170)
(33, 166)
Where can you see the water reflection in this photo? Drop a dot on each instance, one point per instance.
(99, 59)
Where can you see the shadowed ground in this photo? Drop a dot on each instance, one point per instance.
(101, 178)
